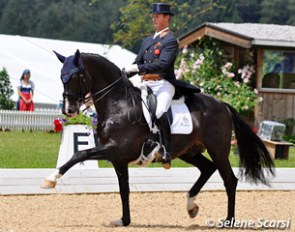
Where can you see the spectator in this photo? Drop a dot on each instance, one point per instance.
(26, 92)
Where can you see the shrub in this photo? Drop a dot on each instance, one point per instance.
(5, 91)
(209, 68)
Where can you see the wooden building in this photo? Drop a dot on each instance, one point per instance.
(273, 47)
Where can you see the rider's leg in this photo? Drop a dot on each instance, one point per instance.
(164, 96)
(164, 99)
(165, 133)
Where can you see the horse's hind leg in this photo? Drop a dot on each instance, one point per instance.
(220, 159)
(206, 168)
(230, 183)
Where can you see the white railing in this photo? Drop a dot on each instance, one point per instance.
(38, 120)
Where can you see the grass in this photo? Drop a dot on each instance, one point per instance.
(28, 149)
(40, 150)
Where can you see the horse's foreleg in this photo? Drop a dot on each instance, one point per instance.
(123, 178)
(206, 168)
(80, 156)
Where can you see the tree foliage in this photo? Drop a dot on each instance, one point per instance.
(274, 11)
(135, 21)
(86, 20)
(127, 22)
(5, 91)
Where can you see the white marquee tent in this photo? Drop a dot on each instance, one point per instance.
(18, 53)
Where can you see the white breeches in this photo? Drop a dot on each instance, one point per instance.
(164, 92)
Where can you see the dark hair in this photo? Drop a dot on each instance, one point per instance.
(26, 71)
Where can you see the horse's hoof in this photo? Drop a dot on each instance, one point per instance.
(48, 184)
(166, 165)
(194, 211)
(116, 223)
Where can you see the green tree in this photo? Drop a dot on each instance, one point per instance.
(79, 20)
(274, 11)
(249, 11)
(11, 16)
(291, 9)
(225, 11)
(5, 91)
(2, 6)
(87, 20)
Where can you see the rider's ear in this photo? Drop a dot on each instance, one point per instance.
(60, 57)
(77, 57)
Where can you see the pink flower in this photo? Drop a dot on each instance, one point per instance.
(246, 72)
(246, 80)
(231, 74)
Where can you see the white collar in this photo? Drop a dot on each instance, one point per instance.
(160, 32)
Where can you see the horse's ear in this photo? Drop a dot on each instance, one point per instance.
(77, 57)
(60, 57)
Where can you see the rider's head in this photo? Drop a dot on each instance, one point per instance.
(161, 15)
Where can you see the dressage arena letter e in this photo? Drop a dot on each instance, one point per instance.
(76, 138)
(77, 142)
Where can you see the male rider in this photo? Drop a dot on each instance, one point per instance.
(155, 63)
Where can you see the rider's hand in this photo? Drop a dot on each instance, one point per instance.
(133, 68)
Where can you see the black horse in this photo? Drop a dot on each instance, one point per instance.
(122, 131)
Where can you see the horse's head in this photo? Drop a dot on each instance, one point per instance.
(73, 79)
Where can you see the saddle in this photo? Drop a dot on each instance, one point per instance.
(178, 117)
(152, 106)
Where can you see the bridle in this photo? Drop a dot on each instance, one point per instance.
(80, 96)
(82, 88)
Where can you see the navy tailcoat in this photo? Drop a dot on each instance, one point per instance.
(158, 56)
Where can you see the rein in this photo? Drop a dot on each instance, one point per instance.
(108, 89)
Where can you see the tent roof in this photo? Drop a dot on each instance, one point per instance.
(19, 53)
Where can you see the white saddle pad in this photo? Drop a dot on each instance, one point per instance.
(182, 120)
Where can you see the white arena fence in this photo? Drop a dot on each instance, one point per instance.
(41, 119)
(104, 180)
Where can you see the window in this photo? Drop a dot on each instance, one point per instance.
(278, 69)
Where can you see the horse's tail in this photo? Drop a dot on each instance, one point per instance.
(253, 154)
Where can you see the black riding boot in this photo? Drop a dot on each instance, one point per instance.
(165, 133)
